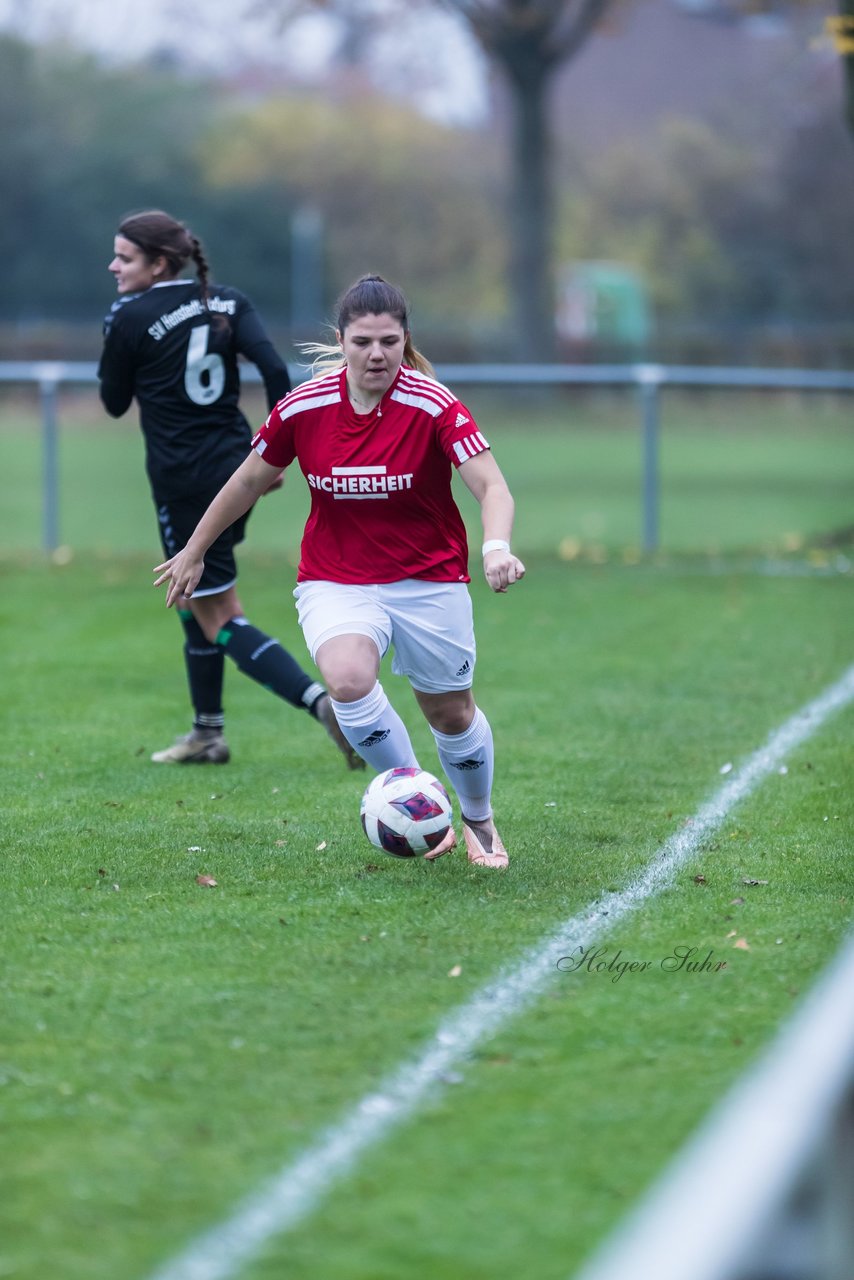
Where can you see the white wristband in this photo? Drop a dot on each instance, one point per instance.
(495, 544)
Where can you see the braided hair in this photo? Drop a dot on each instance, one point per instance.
(158, 235)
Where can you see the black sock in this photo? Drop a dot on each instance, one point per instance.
(205, 670)
(263, 658)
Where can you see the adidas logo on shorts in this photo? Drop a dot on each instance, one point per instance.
(465, 668)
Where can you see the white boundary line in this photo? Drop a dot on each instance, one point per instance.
(298, 1188)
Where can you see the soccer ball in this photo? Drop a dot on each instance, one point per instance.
(406, 812)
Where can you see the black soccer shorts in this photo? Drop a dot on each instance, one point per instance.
(178, 518)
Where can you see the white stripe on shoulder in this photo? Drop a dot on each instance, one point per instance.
(311, 395)
(288, 408)
(419, 392)
(418, 402)
(419, 384)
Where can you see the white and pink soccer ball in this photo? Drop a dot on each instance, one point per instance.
(406, 812)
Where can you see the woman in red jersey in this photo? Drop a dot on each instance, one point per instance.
(384, 557)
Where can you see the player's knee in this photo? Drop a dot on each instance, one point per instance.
(349, 666)
(452, 723)
(215, 612)
(350, 684)
(451, 713)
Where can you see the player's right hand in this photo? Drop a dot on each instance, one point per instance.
(183, 573)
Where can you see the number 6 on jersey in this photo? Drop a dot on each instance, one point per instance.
(204, 376)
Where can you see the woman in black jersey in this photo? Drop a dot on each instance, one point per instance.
(173, 342)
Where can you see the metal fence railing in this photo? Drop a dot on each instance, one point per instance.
(648, 381)
(765, 1189)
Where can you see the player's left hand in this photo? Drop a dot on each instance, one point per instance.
(502, 569)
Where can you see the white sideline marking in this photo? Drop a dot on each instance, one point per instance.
(299, 1187)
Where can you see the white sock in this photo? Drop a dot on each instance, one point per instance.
(469, 761)
(376, 731)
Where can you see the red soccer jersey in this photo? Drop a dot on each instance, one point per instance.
(381, 504)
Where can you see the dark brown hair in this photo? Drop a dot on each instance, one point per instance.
(370, 295)
(158, 235)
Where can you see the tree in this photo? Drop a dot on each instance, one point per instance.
(528, 41)
(396, 193)
(82, 146)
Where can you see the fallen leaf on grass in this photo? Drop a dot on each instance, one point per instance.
(321, 846)
(207, 882)
(741, 944)
(754, 883)
(736, 902)
(701, 879)
(456, 971)
(726, 768)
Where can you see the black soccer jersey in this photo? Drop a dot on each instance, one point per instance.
(179, 358)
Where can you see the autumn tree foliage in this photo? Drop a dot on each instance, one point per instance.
(842, 30)
(526, 41)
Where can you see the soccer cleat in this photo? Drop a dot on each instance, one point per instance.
(326, 716)
(445, 846)
(484, 846)
(199, 746)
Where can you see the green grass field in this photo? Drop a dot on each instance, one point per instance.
(167, 1046)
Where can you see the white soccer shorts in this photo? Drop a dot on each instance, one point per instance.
(429, 625)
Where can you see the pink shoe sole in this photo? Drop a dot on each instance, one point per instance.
(445, 846)
(479, 854)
